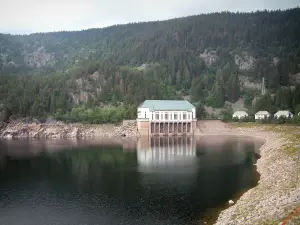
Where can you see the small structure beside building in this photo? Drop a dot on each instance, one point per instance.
(239, 115)
(260, 115)
(166, 117)
(283, 113)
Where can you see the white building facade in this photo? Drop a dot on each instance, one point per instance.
(262, 115)
(283, 113)
(166, 117)
(239, 115)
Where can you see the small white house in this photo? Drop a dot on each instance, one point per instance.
(240, 115)
(260, 115)
(283, 113)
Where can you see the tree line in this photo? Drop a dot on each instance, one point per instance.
(153, 60)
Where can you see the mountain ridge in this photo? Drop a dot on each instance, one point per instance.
(205, 56)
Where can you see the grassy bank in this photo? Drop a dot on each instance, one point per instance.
(290, 133)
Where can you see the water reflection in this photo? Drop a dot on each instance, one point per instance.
(157, 152)
(166, 180)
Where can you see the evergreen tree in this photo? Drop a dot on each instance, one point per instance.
(233, 88)
(218, 92)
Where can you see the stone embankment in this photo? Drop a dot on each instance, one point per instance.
(60, 130)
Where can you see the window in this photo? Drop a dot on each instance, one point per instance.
(166, 116)
(184, 116)
(156, 116)
(145, 115)
(175, 116)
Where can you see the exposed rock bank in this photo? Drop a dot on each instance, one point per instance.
(277, 194)
(62, 130)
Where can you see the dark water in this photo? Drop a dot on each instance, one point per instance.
(158, 181)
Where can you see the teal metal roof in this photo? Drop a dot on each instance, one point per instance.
(167, 105)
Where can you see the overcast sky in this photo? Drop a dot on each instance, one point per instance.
(28, 16)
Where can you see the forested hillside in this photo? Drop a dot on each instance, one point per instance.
(209, 58)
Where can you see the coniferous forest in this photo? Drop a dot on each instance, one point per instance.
(101, 75)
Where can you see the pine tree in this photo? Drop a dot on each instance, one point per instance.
(233, 88)
(218, 92)
(178, 79)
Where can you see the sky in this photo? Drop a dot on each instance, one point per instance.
(30, 16)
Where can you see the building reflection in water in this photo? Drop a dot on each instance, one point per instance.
(158, 152)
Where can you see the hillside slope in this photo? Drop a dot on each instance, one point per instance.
(209, 57)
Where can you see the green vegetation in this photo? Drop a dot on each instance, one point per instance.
(295, 120)
(202, 56)
(284, 99)
(98, 115)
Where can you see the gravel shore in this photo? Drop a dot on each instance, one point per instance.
(277, 194)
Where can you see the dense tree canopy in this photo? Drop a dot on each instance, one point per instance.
(201, 56)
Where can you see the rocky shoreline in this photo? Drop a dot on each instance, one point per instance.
(277, 194)
(59, 130)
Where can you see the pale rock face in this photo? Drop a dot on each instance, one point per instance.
(3, 58)
(86, 86)
(244, 61)
(142, 67)
(39, 58)
(275, 61)
(247, 83)
(209, 57)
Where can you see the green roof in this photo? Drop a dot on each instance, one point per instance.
(167, 105)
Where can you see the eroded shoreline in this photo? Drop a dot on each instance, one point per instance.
(277, 194)
(61, 130)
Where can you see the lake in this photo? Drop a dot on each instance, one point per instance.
(165, 181)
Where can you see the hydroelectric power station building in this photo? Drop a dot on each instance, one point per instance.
(166, 117)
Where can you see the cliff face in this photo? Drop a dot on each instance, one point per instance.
(39, 58)
(62, 130)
